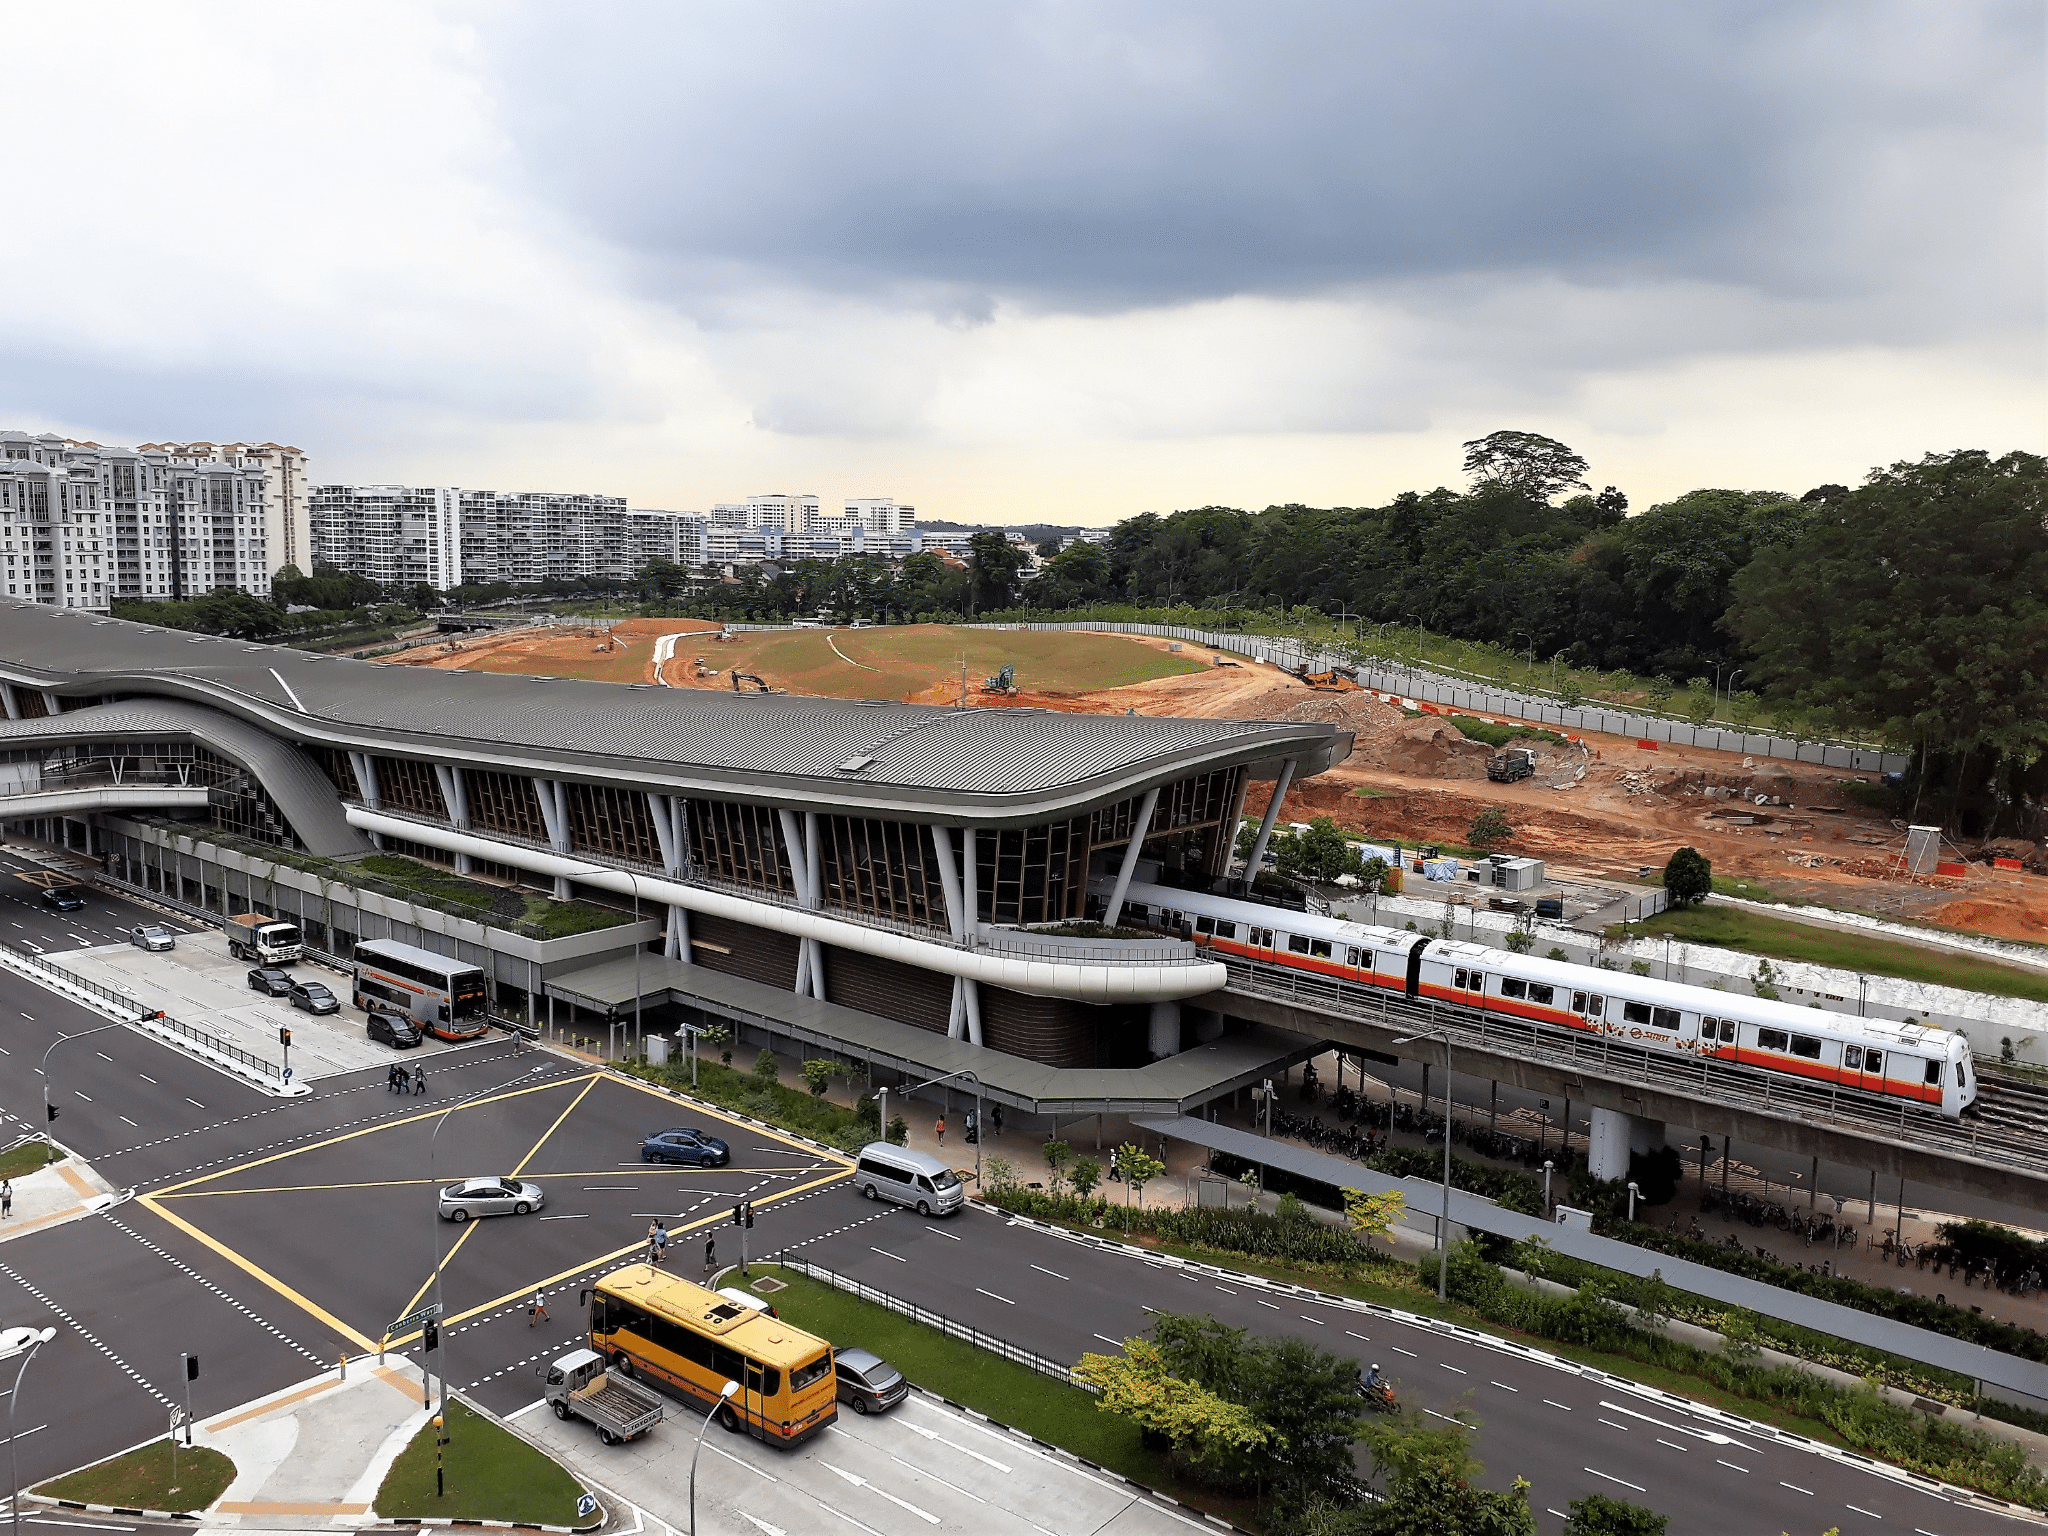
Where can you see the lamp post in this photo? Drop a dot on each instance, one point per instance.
(1547, 1166)
(50, 1114)
(1443, 1227)
(724, 1393)
(434, 1183)
(978, 1119)
(1633, 1191)
(22, 1342)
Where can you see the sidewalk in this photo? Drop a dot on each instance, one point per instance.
(55, 1194)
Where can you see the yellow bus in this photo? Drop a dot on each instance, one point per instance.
(662, 1329)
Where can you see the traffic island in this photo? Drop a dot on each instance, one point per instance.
(159, 1479)
(487, 1474)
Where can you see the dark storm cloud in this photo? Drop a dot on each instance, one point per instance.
(1098, 157)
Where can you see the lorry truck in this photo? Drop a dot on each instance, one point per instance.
(265, 940)
(1514, 763)
(579, 1387)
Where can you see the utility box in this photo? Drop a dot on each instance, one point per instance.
(657, 1050)
(1513, 874)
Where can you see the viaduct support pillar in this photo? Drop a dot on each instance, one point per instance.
(1164, 1037)
(1614, 1136)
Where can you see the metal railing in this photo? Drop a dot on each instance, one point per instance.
(1704, 1079)
(1044, 1364)
(161, 1020)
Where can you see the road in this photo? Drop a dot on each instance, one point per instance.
(272, 1234)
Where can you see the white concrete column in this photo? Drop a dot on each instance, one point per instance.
(52, 703)
(664, 830)
(800, 867)
(1163, 1039)
(554, 811)
(1280, 787)
(7, 698)
(365, 767)
(678, 945)
(970, 878)
(1614, 1136)
(949, 881)
(815, 879)
(956, 1014)
(970, 998)
(455, 796)
(1139, 828)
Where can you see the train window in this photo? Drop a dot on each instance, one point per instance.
(1225, 930)
(1538, 993)
(1460, 982)
(1709, 1028)
(1509, 987)
(1578, 1002)
(1807, 1046)
(1664, 1018)
(1770, 1040)
(1728, 1031)
(1320, 948)
(1205, 925)
(1873, 1061)
(1934, 1073)
(1262, 938)
(1636, 1013)
(1357, 959)
(1595, 1006)
(1297, 943)
(1852, 1057)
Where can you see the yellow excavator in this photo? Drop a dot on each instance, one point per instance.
(760, 683)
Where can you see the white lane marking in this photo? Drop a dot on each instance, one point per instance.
(885, 1253)
(103, 1056)
(1639, 1488)
(934, 1477)
(611, 1186)
(1226, 1290)
(1672, 1443)
(1731, 1465)
(1444, 1366)
(1708, 1435)
(85, 1096)
(860, 1482)
(1397, 1349)
(1273, 1304)
(742, 1462)
(1612, 1425)
(195, 1103)
(1358, 1336)
(579, 1216)
(148, 1079)
(1446, 1418)
(759, 1525)
(127, 1121)
(1862, 1511)
(1506, 1388)
(1316, 1320)
(933, 1434)
(994, 1297)
(1552, 1402)
(1119, 1343)
(1795, 1487)
(951, 1238)
(1053, 1272)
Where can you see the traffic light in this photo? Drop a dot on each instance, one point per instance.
(284, 1035)
(430, 1336)
(739, 1214)
(50, 1110)
(191, 1367)
(747, 1211)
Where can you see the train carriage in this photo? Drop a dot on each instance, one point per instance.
(1903, 1062)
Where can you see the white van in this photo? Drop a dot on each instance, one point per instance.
(889, 1172)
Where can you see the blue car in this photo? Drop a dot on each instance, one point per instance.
(684, 1144)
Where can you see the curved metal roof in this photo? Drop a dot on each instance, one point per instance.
(862, 756)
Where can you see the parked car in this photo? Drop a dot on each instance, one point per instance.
(151, 936)
(393, 1029)
(490, 1197)
(63, 898)
(313, 997)
(868, 1383)
(685, 1144)
(270, 981)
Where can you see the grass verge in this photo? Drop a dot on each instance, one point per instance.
(1014, 1394)
(491, 1474)
(176, 1479)
(1756, 934)
(27, 1158)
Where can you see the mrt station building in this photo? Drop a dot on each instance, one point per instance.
(902, 886)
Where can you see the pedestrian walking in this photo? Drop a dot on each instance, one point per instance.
(652, 1228)
(710, 1254)
(939, 1129)
(537, 1309)
(419, 1079)
(996, 1119)
(391, 1078)
(660, 1240)
(6, 1198)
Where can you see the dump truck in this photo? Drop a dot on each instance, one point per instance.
(1505, 767)
(579, 1387)
(265, 940)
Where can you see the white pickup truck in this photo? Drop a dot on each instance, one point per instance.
(579, 1387)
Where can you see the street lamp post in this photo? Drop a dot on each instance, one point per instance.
(1547, 1166)
(724, 1393)
(1443, 1228)
(1633, 1191)
(23, 1342)
(50, 1114)
(434, 1184)
(979, 1122)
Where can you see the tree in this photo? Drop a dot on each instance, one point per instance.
(1688, 877)
(1373, 1215)
(1086, 1175)
(996, 564)
(1320, 853)
(1537, 466)
(1597, 1515)
(1057, 1155)
(766, 1067)
(1427, 1478)
(1204, 1428)
(818, 1075)
(899, 1131)
(1490, 828)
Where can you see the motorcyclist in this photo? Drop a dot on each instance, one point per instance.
(1372, 1378)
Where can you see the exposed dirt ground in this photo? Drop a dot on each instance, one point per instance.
(1413, 777)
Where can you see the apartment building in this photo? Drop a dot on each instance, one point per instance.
(287, 506)
(88, 524)
(395, 535)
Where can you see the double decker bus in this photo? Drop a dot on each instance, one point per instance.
(663, 1329)
(444, 997)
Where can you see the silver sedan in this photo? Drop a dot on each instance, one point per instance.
(151, 936)
(490, 1197)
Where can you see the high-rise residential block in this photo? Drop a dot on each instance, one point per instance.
(287, 506)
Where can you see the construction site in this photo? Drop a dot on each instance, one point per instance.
(1596, 808)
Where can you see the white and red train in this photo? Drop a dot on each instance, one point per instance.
(1889, 1060)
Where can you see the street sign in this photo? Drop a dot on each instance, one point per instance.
(586, 1504)
(287, 1074)
(412, 1320)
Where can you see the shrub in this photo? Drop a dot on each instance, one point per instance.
(765, 1066)
(1490, 827)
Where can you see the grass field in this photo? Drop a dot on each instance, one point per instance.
(491, 1474)
(1754, 933)
(26, 1158)
(1014, 1394)
(156, 1476)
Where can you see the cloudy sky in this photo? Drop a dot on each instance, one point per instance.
(1061, 261)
